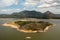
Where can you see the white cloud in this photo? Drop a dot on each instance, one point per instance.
(48, 5)
(30, 2)
(54, 4)
(49, 1)
(44, 5)
(4, 3)
(5, 10)
(9, 11)
(41, 3)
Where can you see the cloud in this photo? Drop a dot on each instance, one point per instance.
(5, 10)
(4, 3)
(9, 11)
(45, 5)
(41, 3)
(49, 1)
(30, 2)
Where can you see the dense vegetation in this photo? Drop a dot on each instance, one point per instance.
(32, 25)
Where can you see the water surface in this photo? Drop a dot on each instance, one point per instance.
(7, 33)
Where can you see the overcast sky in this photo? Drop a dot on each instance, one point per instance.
(10, 6)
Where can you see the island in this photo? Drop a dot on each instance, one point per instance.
(29, 26)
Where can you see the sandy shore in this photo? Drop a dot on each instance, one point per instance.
(13, 25)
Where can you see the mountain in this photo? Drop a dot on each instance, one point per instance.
(48, 15)
(31, 14)
(28, 14)
(58, 15)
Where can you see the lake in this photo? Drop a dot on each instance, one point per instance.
(7, 33)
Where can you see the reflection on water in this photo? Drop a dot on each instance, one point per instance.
(7, 33)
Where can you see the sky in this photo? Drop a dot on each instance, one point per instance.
(10, 6)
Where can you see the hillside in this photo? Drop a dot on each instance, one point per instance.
(30, 14)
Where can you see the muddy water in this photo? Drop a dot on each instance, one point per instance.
(7, 33)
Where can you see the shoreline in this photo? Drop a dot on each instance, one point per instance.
(13, 25)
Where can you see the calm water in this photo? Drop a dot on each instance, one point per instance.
(7, 33)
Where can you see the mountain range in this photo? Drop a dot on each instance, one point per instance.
(30, 14)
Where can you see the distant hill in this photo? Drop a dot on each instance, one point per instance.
(58, 15)
(48, 15)
(30, 14)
